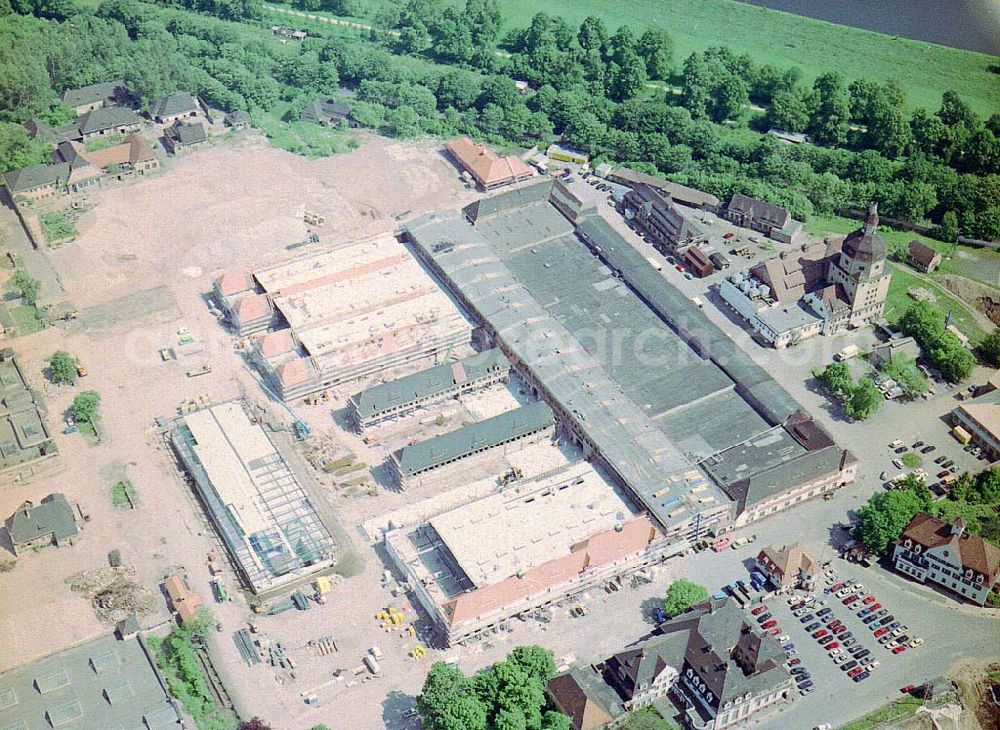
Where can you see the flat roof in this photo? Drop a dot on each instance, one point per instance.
(476, 436)
(104, 683)
(256, 501)
(532, 522)
(427, 383)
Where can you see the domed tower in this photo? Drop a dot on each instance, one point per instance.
(863, 253)
(860, 271)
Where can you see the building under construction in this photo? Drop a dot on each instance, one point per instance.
(440, 455)
(398, 398)
(341, 314)
(553, 537)
(252, 495)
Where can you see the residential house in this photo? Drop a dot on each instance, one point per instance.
(183, 600)
(183, 136)
(487, 168)
(50, 522)
(329, 112)
(239, 119)
(771, 220)
(587, 701)
(107, 120)
(922, 257)
(174, 107)
(133, 157)
(789, 567)
(96, 96)
(932, 550)
(714, 662)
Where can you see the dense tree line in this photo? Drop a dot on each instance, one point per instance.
(942, 348)
(598, 89)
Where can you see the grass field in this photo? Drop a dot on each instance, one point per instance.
(57, 227)
(28, 320)
(925, 70)
(301, 138)
(898, 301)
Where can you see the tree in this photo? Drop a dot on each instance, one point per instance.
(62, 368)
(682, 594)
(882, 520)
(837, 378)
(17, 149)
(447, 699)
(698, 84)
(656, 49)
(646, 718)
(953, 361)
(989, 348)
(628, 76)
(789, 111)
(26, 286)
(948, 230)
(904, 371)
(85, 405)
(403, 122)
(593, 35)
(864, 400)
(830, 111)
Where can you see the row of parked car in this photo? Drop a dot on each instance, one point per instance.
(889, 632)
(801, 675)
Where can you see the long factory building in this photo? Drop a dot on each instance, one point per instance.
(340, 314)
(641, 378)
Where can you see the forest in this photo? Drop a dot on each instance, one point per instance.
(429, 67)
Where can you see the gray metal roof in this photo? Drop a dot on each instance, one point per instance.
(52, 516)
(187, 133)
(440, 379)
(471, 438)
(103, 683)
(629, 442)
(34, 176)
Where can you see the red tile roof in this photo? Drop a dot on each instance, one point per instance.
(233, 282)
(253, 306)
(277, 343)
(485, 165)
(601, 549)
(973, 551)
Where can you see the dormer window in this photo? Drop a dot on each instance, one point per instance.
(908, 544)
(917, 549)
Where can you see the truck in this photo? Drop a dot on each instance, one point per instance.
(847, 353)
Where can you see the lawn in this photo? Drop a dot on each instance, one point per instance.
(57, 227)
(911, 460)
(894, 712)
(302, 138)
(28, 320)
(101, 143)
(123, 494)
(898, 301)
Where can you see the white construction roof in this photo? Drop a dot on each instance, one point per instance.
(524, 526)
(227, 443)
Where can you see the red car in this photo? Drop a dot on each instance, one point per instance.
(943, 474)
(832, 645)
(819, 634)
(837, 587)
(907, 689)
(679, 267)
(875, 607)
(769, 624)
(850, 599)
(835, 624)
(899, 649)
(868, 599)
(774, 632)
(759, 610)
(855, 672)
(882, 631)
(839, 630)
(728, 235)
(794, 662)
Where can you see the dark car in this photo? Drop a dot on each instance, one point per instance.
(806, 686)
(870, 619)
(904, 639)
(882, 614)
(902, 450)
(803, 677)
(948, 464)
(862, 654)
(927, 449)
(862, 677)
(803, 690)
(807, 618)
(942, 474)
(847, 666)
(940, 459)
(812, 627)
(799, 670)
(824, 612)
(825, 640)
(846, 636)
(763, 617)
(848, 642)
(918, 444)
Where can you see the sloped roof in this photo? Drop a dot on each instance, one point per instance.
(865, 243)
(34, 176)
(485, 165)
(240, 116)
(101, 91)
(185, 133)
(253, 306)
(233, 282)
(790, 562)
(794, 274)
(325, 109)
(974, 551)
(478, 435)
(52, 516)
(106, 117)
(680, 193)
(277, 343)
(426, 383)
(180, 102)
(759, 210)
(921, 253)
(572, 698)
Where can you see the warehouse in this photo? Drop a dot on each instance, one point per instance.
(499, 434)
(398, 398)
(257, 503)
(556, 536)
(689, 391)
(104, 683)
(352, 312)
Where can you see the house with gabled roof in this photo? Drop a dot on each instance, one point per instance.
(789, 566)
(485, 166)
(50, 522)
(174, 106)
(94, 96)
(183, 136)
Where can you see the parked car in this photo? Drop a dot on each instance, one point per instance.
(837, 587)
(870, 619)
(846, 636)
(812, 627)
(843, 592)
(864, 612)
(769, 624)
(849, 665)
(761, 618)
(899, 649)
(918, 444)
(861, 676)
(794, 662)
(868, 600)
(820, 634)
(759, 610)
(840, 658)
(940, 459)
(840, 630)
(835, 650)
(876, 607)
(784, 638)
(864, 653)
(872, 666)
(824, 611)
(825, 640)
(916, 642)
(773, 632)
(907, 689)
(881, 632)
(855, 672)
(832, 645)
(807, 618)
(927, 449)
